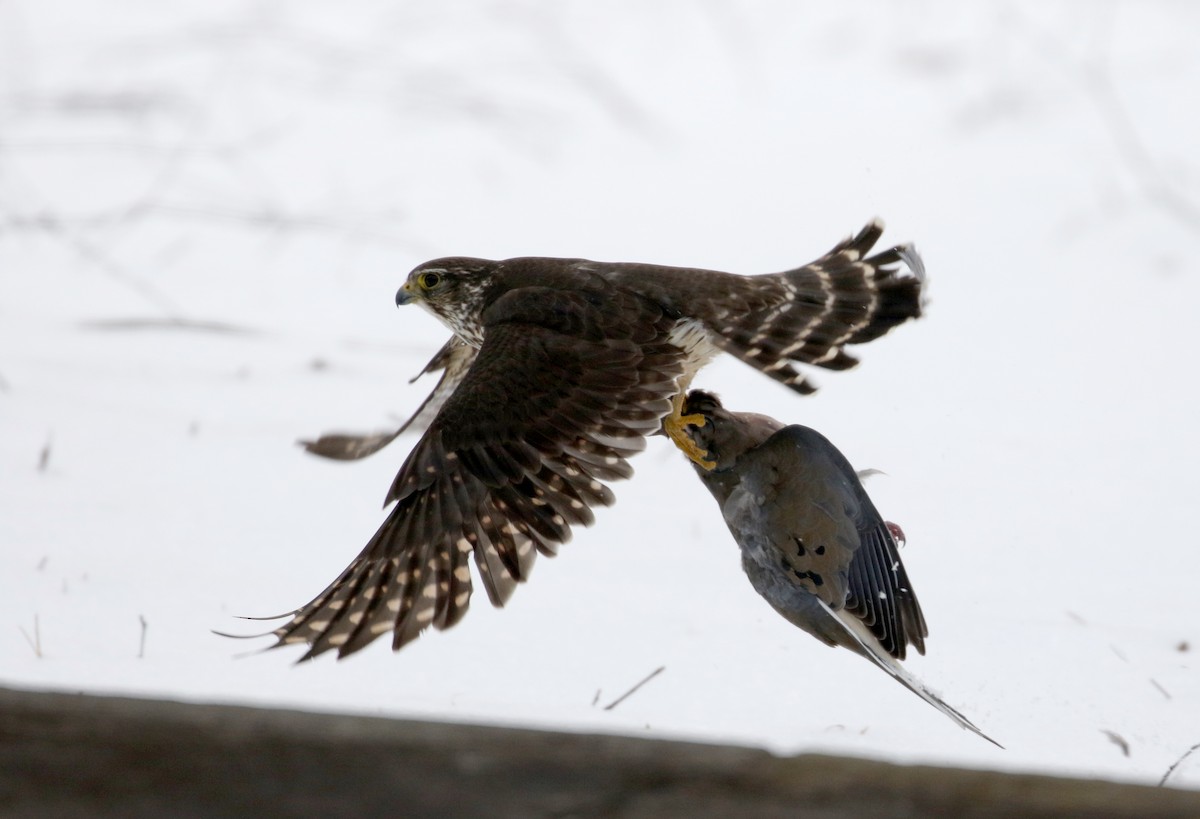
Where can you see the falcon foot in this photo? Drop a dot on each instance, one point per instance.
(676, 425)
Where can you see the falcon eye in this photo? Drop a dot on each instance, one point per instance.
(429, 280)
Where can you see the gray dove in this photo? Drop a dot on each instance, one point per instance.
(813, 544)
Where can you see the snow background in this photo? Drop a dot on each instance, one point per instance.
(205, 211)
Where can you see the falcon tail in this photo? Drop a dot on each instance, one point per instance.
(844, 297)
(860, 638)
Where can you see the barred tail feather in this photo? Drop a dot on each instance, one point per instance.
(845, 297)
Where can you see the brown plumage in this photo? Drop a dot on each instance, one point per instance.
(557, 371)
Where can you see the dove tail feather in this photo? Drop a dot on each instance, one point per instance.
(862, 639)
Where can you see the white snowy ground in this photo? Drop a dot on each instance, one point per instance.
(268, 172)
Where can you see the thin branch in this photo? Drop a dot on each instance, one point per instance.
(93, 254)
(1162, 782)
(1117, 740)
(142, 642)
(1155, 183)
(628, 693)
(35, 642)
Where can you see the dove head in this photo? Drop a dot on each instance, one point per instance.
(726, 435)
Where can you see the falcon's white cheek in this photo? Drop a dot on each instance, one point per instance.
(423, 303)
(444, 312)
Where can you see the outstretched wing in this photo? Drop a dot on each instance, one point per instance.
(454, 359)
(565, 387)
(830, 538)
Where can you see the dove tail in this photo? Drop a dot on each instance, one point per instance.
(864, 641)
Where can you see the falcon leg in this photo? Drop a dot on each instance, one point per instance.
(676, 425)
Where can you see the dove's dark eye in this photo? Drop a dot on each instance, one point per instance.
(429, 280)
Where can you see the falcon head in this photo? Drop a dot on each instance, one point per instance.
(453, 289)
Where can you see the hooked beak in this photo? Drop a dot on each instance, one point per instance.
(404, 295)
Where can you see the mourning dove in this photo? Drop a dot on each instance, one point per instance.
(813, 544)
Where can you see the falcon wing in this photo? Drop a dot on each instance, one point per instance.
(565, 387)
(454, 359)
(828, 535)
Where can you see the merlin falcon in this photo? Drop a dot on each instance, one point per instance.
(557, 371)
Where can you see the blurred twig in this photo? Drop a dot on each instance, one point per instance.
(1117, 739)
(35, 642)
(1095, 71)
(44, 456)
(630, 692)
(87, 250)
(1176, 764)
(1155, 183)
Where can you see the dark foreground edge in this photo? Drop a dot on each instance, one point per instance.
(64, 755)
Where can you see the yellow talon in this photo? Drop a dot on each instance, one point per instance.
(676, 424)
